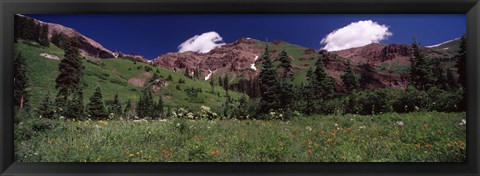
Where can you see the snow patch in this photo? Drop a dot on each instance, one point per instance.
(49, 56)
(433, 46)
(252, 66)
(209, 74)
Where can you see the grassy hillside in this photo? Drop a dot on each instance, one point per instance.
(113, 75)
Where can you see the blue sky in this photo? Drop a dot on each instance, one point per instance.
(152, 35)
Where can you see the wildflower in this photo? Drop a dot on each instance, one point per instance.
(463, 122)
(215, 152)
(40, 116)
(336, 125)
(362, 127)
(399, 123)
(308, 128)
(103, 122)
(131, 155)
(417, 108)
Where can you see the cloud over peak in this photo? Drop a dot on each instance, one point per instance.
(202, 43)
(356, 34)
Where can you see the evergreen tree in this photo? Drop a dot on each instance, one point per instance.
(20, 82)
(269, 85)
(159, 108)
(285, 64)
(128, 111)
(325, 85)
(462, 61)
(145, 107)
(286, 96)
(70, 72)
(421, 75)
(310, 93)
(220, 81)
(75, 107)
(212, 85)
(96, 108)
(46, 108)
(350, 79)
(225, 83)
(116, 106)
(43, 35)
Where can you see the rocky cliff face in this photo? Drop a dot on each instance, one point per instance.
(238, 58)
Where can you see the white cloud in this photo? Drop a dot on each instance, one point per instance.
(202, 43)
(355, 34)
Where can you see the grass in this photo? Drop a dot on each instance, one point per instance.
(425, 137)
(113, 76)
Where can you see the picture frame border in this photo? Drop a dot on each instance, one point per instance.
(8, 8)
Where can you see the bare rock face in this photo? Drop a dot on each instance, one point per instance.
(132, 57)
(88, 47)
(236, 57)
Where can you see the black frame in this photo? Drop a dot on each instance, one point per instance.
(10, 7)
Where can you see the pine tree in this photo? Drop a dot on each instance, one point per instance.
(310, 93)
(269, 84)
(225, 83)
(212, 85)
(220, 81)
(325, 85)
(75, 107)
(286, 82)
(421, 75)
(43, 35)
(96, 108)
(70, 72)
(350, 79)
(116, 106)
(159, 108)
(46, 108)
(285, 64)
(20, 82)
(145, 105)
(128, 111)
(462, 61)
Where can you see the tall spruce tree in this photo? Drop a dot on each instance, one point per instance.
(310, 93)
(421, 75)
(75, 107)
(70, 72)
(286, 96)
(269, 84)
(325, 84)
(46, 108)
(116, 106)
(225, 83)
(159, 108)
(20, 82)
(462, 61)
(96, 108)
(350, 79)
(145, 107)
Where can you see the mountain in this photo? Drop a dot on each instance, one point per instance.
(380, 65)
(89, 48)
(450, 45)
